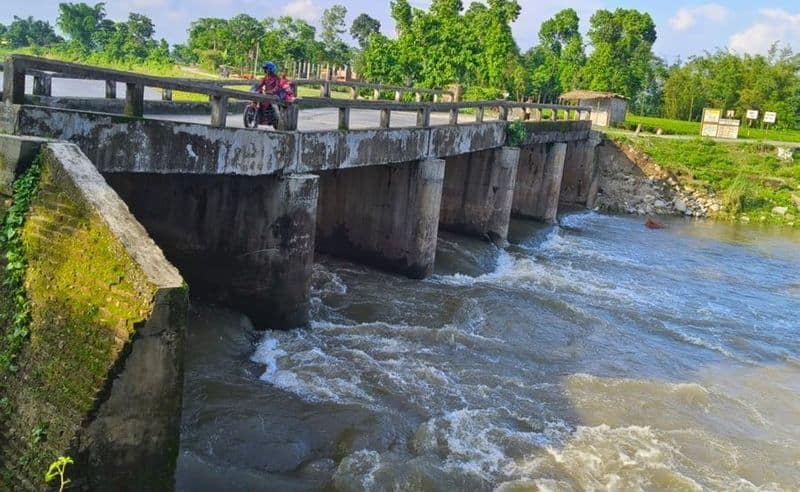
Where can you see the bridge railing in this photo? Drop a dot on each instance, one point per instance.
(43, 70)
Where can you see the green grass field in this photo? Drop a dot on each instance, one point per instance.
(678, 127)
(748, 177)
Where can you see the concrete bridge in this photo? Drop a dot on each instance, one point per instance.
(241, 212)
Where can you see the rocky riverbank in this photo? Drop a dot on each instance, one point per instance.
(630, 182)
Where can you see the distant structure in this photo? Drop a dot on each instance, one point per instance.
(608, 108)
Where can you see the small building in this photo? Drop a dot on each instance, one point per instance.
(608, 108)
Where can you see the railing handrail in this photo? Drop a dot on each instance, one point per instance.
(219, 96)
(69, 74)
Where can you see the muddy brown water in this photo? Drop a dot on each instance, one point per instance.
(596, 355)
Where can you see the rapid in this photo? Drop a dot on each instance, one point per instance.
(592, 355)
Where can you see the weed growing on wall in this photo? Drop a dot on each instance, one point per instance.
(17, 312)
(516, 133)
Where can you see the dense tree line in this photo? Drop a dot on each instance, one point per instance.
(446, 44)
(725, 80)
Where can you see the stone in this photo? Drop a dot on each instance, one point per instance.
(785, 154)
(745, 219)
(789, 217)
(780, 210)
(680, 205)
(659, 204)
(796, 201)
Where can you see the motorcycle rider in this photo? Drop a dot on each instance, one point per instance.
(277, 86)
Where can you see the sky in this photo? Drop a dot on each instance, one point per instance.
(685, 27)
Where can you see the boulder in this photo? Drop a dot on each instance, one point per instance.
(680, 205)
(796, 201)
(780, 210)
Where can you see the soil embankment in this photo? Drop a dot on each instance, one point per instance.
(630, 182)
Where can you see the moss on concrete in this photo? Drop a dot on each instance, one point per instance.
(86, 295)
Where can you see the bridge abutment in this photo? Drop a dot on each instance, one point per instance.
(581, 175)
(247, 242)
(478, 192)
(538, 184)
(384, 216)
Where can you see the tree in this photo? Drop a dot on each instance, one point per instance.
(558, 60)
(333, 26)
(30, 32)
(80, 21)
(362, 27)
(401, 14)
(622, 57)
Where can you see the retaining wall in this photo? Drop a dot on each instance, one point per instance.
(100, 377)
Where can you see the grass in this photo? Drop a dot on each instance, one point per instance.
(748, 177)
(679, 127)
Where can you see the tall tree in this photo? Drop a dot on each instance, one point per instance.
(622, 57)
(362, 27)
(333, 26)
(80, 21)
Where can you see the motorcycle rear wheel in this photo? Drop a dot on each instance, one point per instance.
(250, 117)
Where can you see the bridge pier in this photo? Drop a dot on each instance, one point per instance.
(538, 185)
(581, 174)
(478, 192)
(384, 216)
(244, 241)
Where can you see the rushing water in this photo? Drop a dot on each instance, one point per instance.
(597, 355)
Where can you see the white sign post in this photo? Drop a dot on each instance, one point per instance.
(770, 117)
(752, 114)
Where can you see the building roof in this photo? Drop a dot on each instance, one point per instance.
(580, 95)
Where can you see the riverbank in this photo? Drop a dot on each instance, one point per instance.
(747, 182)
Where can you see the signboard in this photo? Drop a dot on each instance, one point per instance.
(770, 117)
(717, 127)
(708, 130)
(711, 115)
(730, 113)
(752, 114)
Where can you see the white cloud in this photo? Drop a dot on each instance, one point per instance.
(303, 9)
(773, 25)
(686, 17)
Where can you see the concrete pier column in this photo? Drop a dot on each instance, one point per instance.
(538, 185)
(581, 174)
(244, 241)
(478, 192)
(384, 216)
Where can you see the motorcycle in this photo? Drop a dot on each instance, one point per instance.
(256, 114)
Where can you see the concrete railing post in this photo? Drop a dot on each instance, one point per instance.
(418, 97)
(42, 85)
(479, 114)
(386, 115)
(435, 98)
(453, 118)
(424, 117)
(13, 82)
(503, 115)
(166, 94)
(134, 99)
(287, 118)
(111, 89)
(398, 96)
(353, 93)
(344, 118)
(376, 94)
(219, 111)
(325, 89)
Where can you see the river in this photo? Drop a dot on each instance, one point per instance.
(593, 355)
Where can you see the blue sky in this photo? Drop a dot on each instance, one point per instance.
(685, 27)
